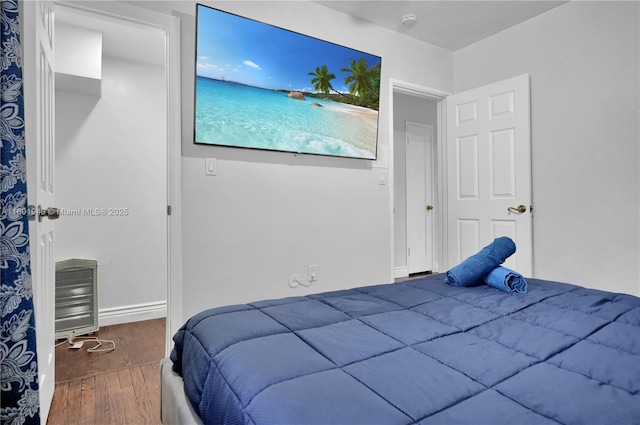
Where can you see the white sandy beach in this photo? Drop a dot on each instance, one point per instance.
(368, 115)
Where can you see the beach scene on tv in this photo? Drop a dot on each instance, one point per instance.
(263, 87)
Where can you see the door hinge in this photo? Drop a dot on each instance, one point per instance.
(168, 209)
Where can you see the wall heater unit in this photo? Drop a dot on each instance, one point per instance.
(76, 297)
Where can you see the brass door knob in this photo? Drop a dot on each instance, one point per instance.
(519, 209)
(429, 207)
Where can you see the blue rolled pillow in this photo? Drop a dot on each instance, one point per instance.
(506, 280)
(472, 270)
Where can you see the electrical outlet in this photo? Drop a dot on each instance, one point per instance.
(313, 273)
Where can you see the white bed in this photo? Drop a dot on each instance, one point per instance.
(175, 409)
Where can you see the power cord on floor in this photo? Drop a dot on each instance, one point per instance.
(77, 342)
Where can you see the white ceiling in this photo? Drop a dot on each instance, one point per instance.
(451, 24)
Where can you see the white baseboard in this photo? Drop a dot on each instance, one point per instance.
(401, 272)
(132, 313)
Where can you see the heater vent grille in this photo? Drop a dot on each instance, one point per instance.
(76, 297)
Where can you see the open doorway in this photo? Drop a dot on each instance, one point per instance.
(111, 159)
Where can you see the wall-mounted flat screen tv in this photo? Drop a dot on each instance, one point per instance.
(263, 87)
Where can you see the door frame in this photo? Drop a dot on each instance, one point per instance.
(171, 27)
(440, 183)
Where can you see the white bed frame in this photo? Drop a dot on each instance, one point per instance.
(175, 408)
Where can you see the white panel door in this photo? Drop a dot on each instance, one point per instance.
(39, 102)
(419, 187)
(489, 171)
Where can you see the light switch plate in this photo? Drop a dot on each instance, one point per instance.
(210, 166)
(382, 177)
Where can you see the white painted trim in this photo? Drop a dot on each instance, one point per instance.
(392, 181)
(131, 313)
(441, 189)
(439, 96)
(401, 272)
(174, 197)
(417, 90)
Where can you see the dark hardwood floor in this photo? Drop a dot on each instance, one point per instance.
(117, 387)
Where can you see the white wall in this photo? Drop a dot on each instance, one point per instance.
(415, 109)
(583, 59)
(78, 59)
(78, 51)
(268, 215)
(111, 153)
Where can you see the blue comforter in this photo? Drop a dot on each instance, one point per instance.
(417, 352)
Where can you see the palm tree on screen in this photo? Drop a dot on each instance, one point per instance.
(322, 79)
(360, 78)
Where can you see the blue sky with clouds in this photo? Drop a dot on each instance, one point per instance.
(237, 49)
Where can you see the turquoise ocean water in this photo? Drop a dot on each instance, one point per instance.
(237, 115)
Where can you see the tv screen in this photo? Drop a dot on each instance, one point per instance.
(263, 87)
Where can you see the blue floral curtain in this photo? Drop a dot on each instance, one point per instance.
(19, 365)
